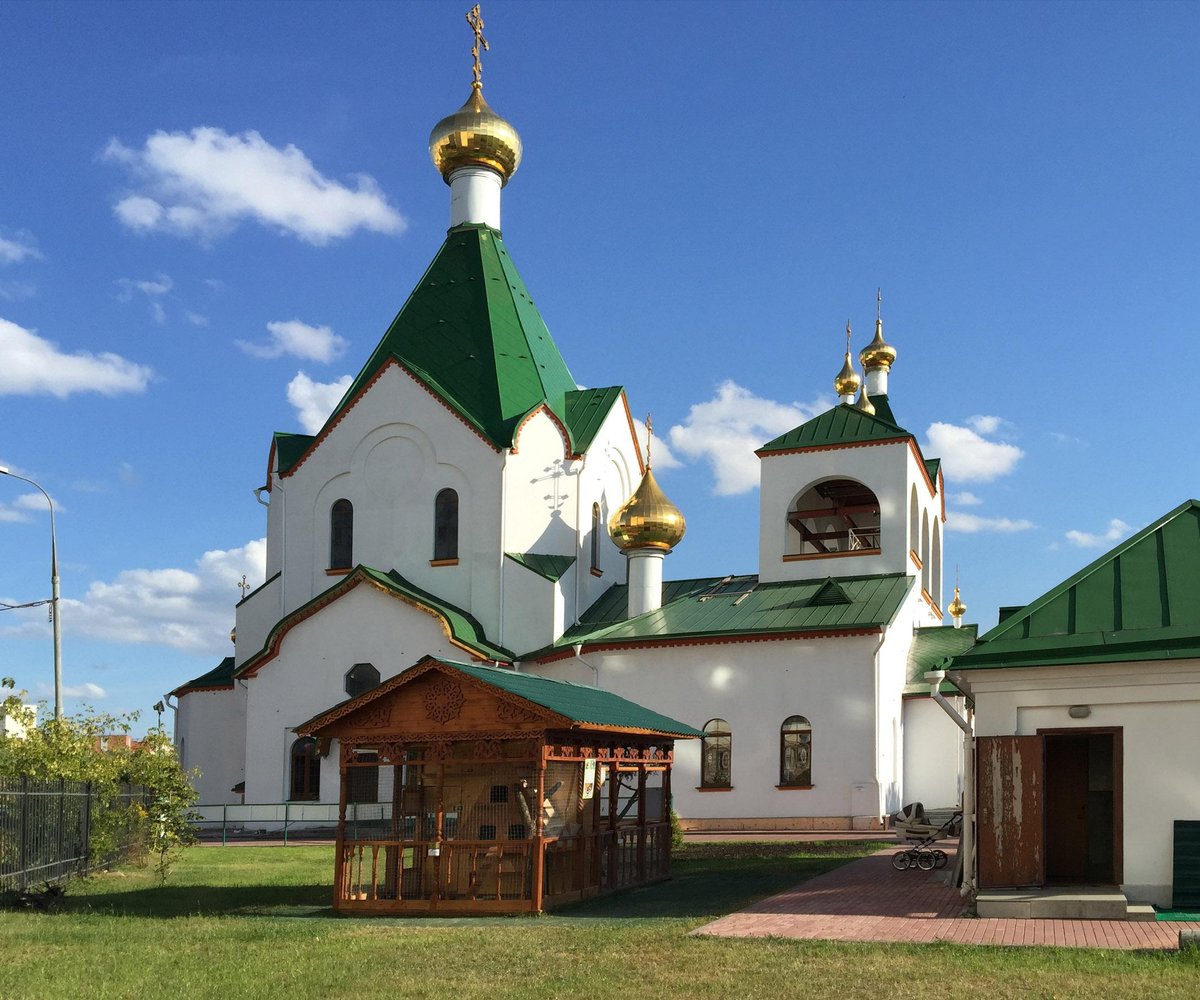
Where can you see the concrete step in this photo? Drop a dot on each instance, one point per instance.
(1140, 911)
(1059, 903)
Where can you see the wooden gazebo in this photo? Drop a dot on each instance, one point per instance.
(493, 791)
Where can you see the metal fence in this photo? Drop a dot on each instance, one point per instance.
(52, 829)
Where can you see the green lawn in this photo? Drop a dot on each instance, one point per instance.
(254, 922)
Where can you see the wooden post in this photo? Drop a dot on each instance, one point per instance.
(539, 840)
(439, 817)
(339, 885)
(668, 819)
(641, 843)
(614, 801)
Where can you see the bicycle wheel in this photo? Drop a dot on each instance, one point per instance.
(939, 859)
(925, 860)
(901, 861)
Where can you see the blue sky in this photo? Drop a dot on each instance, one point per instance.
(209, 213)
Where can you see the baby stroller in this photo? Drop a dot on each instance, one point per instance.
(917, 829)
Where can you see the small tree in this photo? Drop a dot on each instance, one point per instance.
(71, 748)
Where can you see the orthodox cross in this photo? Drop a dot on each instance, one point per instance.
(475, 20)
(243, 586)
(878, 304)
(649, 435)
(847, 338)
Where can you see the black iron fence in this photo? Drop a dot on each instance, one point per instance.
(50, 830)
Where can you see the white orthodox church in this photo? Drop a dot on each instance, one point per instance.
(416, 523)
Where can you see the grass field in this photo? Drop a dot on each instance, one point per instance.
(255, 922)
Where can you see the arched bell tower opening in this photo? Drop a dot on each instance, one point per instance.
(834, 517)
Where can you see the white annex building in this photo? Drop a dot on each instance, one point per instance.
(416, 523)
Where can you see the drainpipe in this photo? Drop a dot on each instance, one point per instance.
(503, 514)
(967, 844)
(174, 722)
(577, 649)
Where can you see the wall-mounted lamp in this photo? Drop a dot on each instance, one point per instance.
(1079, 711)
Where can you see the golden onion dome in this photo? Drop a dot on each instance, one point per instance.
(878, 353)
(647, 520)
(957, 609)
(475, 136)
(847, 381)
(864, 402)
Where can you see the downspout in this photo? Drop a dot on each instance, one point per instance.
(875, 678)
(967, 844)
(503, 525)
(577, 648)
(578, 534)
(174, 722)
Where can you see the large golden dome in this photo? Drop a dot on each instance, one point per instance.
(647, 520)
(475, 136)
(878, 353)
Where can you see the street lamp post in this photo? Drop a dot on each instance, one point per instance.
(58, 707)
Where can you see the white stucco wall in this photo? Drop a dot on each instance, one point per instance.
(308, 676)
(1156, 705)
(210, 736)
(933, 753)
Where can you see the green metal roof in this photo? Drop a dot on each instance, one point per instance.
(740, 605)
(932, 465)
(586, 410)
(1140, 601)
(471, 333)
(550, 566)
(464, 629)
(844, 424)
(578, 703)
(932, 647)
(289, 448)
(220, 677)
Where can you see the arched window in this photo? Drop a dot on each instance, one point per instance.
(925, 560)
(445, 526)
(716, 755)
(914, 524)
(596, 528)
(341, 534)
(795, 752)
(360, 678)
(306, 770)
(836, 517)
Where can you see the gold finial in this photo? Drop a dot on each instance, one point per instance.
(878, 353)
(864, 401)
(649, 436)
(475, 20)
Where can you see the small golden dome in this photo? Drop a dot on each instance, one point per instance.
(647, 520)
(475, 136)
(957, 609)
(847, 381)
(864, 402)
(878, 353)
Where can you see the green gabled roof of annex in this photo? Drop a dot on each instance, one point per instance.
(588, 705)
(289, 448)
(1139, 601)
(471, 333)
(844, 424)
(220, 677)
(931, 649)
(551, 567)
(727, 607)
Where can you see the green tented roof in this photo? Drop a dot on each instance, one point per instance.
(1140, 601)
(740, 605)
(471, 333)
(221, 676)
(844, 424)
(289, 448)
(932, 465)
(932, 648)
(578, 703)
(552, 567)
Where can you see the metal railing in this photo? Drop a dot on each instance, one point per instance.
(52, 829)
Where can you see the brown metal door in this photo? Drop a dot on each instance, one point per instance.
(1009, 782)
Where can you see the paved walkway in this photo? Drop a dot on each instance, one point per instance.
(868, 900)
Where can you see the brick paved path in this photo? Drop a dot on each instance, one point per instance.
(868, 900)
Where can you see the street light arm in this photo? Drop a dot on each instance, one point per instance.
(54, 591)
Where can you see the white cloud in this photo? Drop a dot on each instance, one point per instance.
(204, 183)
(973, 524)
(314, 401)
(17, 291)
(966, 455)
(188, 609)
(726, 430)
(35, 501)
(17, 249)
(196, 319)
(34, 366)
(85, 690)
(965, 499)
(661, 456)
(987, 425)
(1116, 530)
(150, 287)
(313, 343)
